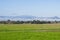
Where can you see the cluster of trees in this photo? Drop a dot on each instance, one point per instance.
(28, 22)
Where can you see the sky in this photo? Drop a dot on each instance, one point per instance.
(30, 7)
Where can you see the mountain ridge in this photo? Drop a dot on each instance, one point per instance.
(26, 17)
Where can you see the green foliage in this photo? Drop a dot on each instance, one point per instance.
(28, 22)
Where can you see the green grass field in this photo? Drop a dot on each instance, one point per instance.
(29, 32)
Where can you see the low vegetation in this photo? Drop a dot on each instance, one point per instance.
(29, 35)
(28, 22)
(29, 32)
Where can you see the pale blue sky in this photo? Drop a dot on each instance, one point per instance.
(30, 7)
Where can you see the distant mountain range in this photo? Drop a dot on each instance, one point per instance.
(27, 17)
(23, 17)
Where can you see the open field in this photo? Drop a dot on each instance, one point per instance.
(29, 35)
(29, 31)
(28, 26)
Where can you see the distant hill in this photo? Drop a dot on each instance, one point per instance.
(27, 17)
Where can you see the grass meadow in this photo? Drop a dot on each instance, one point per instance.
(29, 31)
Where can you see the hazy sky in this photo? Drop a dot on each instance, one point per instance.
(30, 7)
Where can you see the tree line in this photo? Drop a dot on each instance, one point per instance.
(28, 22)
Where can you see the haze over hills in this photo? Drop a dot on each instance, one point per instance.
(28, 17)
